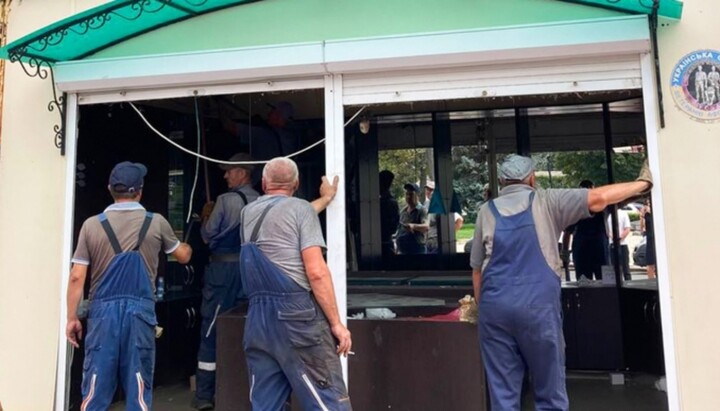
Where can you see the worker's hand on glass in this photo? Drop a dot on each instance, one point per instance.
(207, 210)
(74, 331)
(327, 190)
(342, 335)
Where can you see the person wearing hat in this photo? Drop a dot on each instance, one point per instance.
(432, 234)
(516, 279)
(413, 224)
(222, 288)
(120, 248)
(265, 139)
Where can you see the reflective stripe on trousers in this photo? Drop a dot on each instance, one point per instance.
(288, 343)
(520, 323)
(120, 339)
(221, 291)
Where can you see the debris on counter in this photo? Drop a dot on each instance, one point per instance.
(379, 313)
(468, 309)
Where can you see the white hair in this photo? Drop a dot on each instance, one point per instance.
(280, 172)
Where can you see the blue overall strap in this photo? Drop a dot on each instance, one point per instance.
(113, 238)
(256, 230)
(144, 229)
(110, 233)
(244, 197)
(496, 213)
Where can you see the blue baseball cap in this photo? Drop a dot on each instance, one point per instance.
(127, 177)
(411, 187)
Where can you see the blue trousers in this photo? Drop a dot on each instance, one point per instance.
(120, 343)
(221, 292)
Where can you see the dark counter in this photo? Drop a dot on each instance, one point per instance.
(399, 364)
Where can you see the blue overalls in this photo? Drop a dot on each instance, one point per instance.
(221, 292)
(120, 339)
(288, 344)
(520, 324)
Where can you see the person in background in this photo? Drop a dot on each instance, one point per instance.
(432, 234)
(267, 139)
(624, 228)
(293, 333)
(389, 212)
(589, 243)
(648, 228)
(120, 248)
(516, 280)
(413, 225)
(222, 288)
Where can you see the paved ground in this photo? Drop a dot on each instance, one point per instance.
(587, 392)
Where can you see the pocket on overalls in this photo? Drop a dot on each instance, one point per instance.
(310, 337)
(93, 340)
(303, 327)
(213, 291)
(144, 334)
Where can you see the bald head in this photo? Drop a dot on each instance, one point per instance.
(280, 174)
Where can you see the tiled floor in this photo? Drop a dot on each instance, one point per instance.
(588, 392)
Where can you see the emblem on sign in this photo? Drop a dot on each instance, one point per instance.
(696, 85)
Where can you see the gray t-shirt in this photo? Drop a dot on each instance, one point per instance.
(289, 227)
(94, 249)
(553, 211)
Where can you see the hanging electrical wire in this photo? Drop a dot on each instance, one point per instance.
(197, 159)
(218, 161)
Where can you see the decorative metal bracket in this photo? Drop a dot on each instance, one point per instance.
(37, 67)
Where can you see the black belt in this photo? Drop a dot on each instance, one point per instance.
(225, 258)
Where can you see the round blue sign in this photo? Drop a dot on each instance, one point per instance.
(695, 85)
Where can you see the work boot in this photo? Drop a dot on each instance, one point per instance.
(200, 404)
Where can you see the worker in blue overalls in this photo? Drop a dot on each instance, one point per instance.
(222, 288)
(120, 247)
(293, 333)
(516, 280)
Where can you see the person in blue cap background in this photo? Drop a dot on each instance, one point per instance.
(516, 280)
(413, 224)
(120, 248)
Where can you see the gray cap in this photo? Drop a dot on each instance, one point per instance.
(516, 168)
(239, 157)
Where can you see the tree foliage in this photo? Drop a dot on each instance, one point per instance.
(591, 165)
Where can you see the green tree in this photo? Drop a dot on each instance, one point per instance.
(470, 174)
(591, 165)
(408, 165)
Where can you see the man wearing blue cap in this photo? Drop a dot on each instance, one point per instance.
(516, 280)
(121, 247)
(413, 223)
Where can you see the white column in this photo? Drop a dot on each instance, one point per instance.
(650, 107)
(335, 166)
(64, 357)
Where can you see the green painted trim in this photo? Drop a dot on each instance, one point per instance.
(127, 28)
(273, 22)
(620, 35)
(671, 9)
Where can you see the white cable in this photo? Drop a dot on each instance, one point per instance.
(197, 165)
(356, 114)
(198, 155)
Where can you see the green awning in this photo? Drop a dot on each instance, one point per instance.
(88, 32)
(671, 9)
